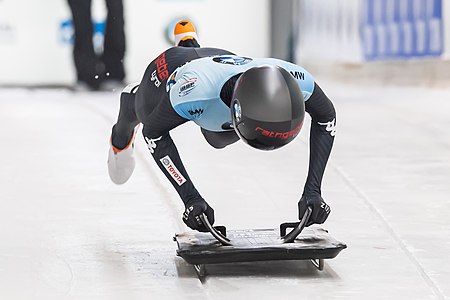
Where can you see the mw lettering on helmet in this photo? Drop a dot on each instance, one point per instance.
(279, 135)
(172, 170)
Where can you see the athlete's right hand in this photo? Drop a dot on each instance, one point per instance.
(320, 210)
(194, 209)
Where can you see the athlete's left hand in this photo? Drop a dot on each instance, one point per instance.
(191, 215)
(320, 210)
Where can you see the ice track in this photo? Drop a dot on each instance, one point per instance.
(67, 232)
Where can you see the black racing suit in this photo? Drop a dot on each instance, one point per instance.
(149, 104)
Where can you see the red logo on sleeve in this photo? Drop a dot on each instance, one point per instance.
(161, 67)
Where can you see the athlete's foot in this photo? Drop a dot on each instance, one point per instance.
(121, 162)
(185, 34)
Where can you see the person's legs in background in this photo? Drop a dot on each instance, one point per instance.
(114, 44)
(86, 62)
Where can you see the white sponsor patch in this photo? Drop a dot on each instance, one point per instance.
(190, 83)
(173, 171)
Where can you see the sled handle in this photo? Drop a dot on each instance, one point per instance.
(215, 233)
(298, 227)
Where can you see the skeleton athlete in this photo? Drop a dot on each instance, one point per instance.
(261, 101)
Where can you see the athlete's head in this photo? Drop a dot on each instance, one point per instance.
(267, 107)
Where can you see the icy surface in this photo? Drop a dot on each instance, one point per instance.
(67, 232)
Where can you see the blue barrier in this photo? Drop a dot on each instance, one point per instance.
(393, 29)
(66, 33)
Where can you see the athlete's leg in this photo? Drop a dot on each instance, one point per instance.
(121, 153)
(220, 140)
(114, 45)
(126, 122)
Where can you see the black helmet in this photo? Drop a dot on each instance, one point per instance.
(267, 107)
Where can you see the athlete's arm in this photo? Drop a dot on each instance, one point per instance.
(323, 129)
(159, 142)
(156, 133)
(323, 122)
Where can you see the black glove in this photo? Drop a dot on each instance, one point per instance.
(320, 210)
(191, 216)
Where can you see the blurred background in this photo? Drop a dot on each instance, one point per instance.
(364, 38)
(67, 232)
(36, 43)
